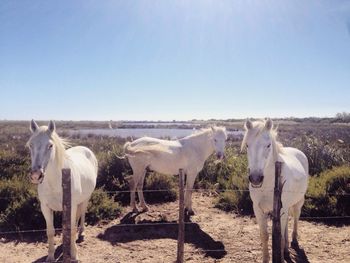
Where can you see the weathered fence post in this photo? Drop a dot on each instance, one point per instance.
(66, 215)
(277, 256)
(181, 234)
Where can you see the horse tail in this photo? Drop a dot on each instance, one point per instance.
(131, 151)
(127, 147)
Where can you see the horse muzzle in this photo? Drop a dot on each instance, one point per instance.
(256, 180)
(36, 177)
(220, 156)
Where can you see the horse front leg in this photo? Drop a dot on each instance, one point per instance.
(190, 178)
(73, 233)
(264, 236)
(284, 233)
(50, 231)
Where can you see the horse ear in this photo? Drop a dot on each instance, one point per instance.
(248, 124)
(33, 126)
(52, 127)
(268, 124)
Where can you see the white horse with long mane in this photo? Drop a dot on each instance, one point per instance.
(167, 157)
(263, 151)
(49, 156)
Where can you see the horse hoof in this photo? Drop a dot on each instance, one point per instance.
(135, 210)
(145, 209)
(81, 238)
(294, 244)
(286, 254)
(190, 212)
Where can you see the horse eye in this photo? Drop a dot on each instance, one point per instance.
(50, 146)
(215, 140)
(246, 145)
(268, 146)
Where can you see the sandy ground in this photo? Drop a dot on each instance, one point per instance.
(213, 236)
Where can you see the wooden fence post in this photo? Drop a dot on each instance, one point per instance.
(277, 256)
(66, 215)
(181, 234)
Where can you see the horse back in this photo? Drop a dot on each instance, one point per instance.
(295, 163)
(83, 165)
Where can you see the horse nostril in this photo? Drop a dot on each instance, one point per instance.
(250, 178)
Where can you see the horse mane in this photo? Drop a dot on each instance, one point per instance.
(61, 144)
(257, 129)
(206, 131)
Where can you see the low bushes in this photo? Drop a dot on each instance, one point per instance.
(230, 179)
(20, 207)
(329, 193)
(102, 206)
(320, 154)
(165, 187)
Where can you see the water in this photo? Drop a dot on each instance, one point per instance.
(173, 133)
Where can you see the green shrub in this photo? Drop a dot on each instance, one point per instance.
(112, 173)
(320, 154)
(230, 179)
(19, 207)
(102, 206)
(12, 163)
(167, 184)
(329, 193)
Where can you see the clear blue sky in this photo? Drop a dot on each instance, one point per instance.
(164, 60)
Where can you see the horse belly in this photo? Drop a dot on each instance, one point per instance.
(164, 168)
(167, 164)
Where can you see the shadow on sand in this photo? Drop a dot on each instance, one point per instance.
(296, 255)
(147, 229)
(58, 255)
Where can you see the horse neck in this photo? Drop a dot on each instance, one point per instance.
(54, 176)
(202, 144)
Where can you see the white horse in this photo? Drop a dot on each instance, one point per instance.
(263, 151)
(167, 157)
(49, 156)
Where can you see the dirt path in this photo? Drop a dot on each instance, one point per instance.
(213, 236)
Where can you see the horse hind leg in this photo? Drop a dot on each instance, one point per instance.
(143, 204)
(284, 233)
(82, 208)
(132, 186)
(134, 182)
(296, 210)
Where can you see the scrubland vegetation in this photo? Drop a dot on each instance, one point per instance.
(327, 146)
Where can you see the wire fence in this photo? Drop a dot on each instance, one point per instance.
(158, 224)
(218, 191)
(200, 191)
